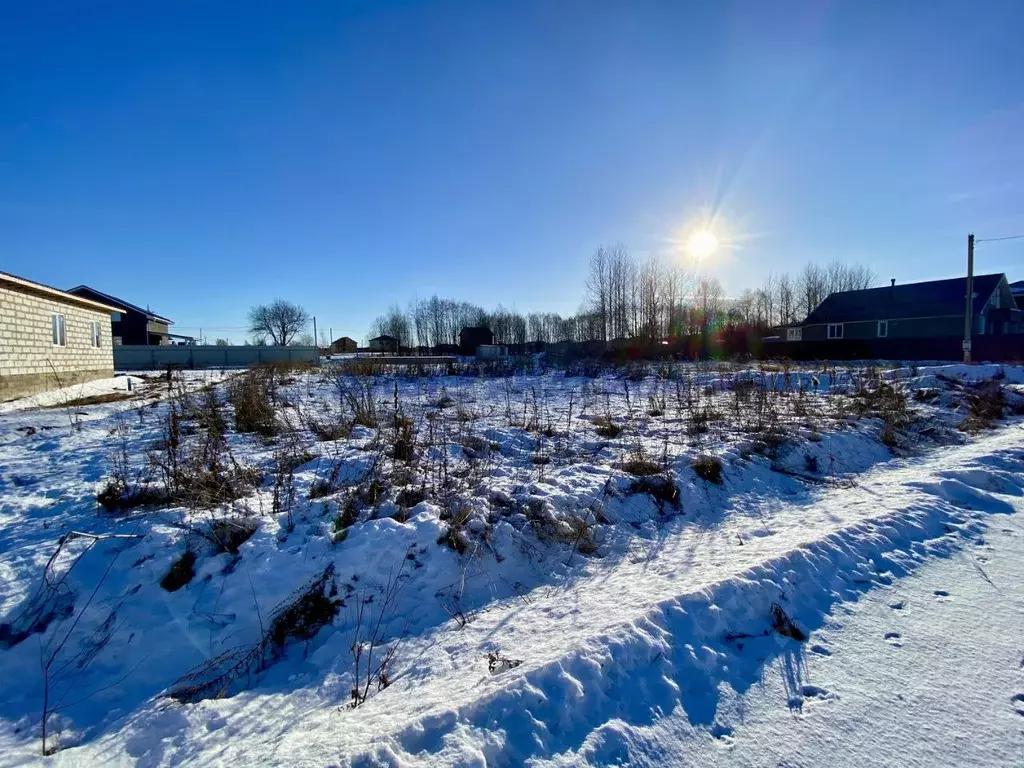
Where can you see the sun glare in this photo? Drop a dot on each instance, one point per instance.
(702, 244)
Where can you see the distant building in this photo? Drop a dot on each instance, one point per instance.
(1017, 289)
(929, 310)
(341, 346)
(472, 337)
(134, 325)
(384, 343)
(50, 338)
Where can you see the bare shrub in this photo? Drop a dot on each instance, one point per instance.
(200, 473)
(578, 531)
(301, 617)
(986, 402)
(708, 467)
(783, 625)
(312, 609)
(181, 572)
(125, 489)
(455, 533)
(640, 465)
(410, 497)
(327, 430)
(346, 518)
(358, 396)
(251, 395)
(372, 654)
(404, 439)
(607, 428)
(229, 533)
(662, 489)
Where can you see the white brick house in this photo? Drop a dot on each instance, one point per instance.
(49, 338)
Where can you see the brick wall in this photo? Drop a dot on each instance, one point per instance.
(30, 362)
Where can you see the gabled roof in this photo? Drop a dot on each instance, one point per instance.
(384, 337)
(121, 302)
(30, 286)
(936, 298)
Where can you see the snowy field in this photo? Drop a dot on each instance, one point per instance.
(687, 565)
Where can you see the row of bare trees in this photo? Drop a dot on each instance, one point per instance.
(784, 299)
(628, 298)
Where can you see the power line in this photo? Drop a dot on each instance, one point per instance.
(996, 239)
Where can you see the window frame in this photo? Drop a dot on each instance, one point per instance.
(96, 334)
(882, 325)
(834, 336)
(794, 334)
(58, 329)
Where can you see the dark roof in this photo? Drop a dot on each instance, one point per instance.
(1017, 286)
(383, 337)
(936, 298)
(78, 290)
(31, 286)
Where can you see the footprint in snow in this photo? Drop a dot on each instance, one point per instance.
(809, 694)
(899, 605)
(821, 650)
(1018, 704)
(941, 593)
(894, 639)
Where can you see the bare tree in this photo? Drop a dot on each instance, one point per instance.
(281, 320)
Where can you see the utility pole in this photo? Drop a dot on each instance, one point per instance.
(316, 343)
(969, 311)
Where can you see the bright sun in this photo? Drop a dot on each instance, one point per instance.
(702, 244)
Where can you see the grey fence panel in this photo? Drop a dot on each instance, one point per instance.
(142, 358)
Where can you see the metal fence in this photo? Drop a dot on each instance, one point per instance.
(141, 358)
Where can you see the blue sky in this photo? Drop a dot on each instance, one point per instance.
(201, 157)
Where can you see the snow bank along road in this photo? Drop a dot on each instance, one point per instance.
(673, 654)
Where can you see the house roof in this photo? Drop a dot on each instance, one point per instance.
(1017, 287)
(936, 298)
(121, 302)
(30, 286)
(384, 337)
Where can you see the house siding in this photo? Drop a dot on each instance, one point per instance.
(30, 362)
(912, 328)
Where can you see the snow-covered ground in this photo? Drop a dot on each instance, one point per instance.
(550, 565)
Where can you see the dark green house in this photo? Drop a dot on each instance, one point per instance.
(928, 310)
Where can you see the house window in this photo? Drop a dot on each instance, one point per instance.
(794, 334)
(115, 316)
(95, 333)
(835, 330)
(57, 329)
(883, 328)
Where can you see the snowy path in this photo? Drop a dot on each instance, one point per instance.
(927, 672)
(640, 643)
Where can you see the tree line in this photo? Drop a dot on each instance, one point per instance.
(628, 298)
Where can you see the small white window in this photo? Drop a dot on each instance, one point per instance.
(96, 338)
(883, 328)
(835, 330)
(60, 338)
(794, 334)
